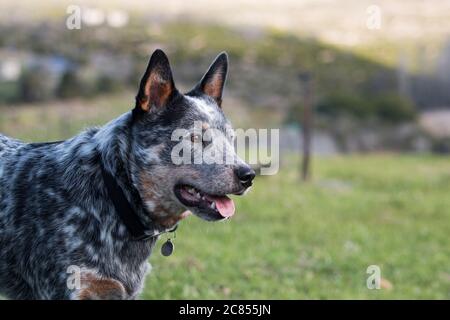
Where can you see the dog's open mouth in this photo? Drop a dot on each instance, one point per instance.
(210, 207)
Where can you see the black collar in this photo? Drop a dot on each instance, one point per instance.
(127, 213)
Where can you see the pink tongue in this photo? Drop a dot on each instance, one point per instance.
(224, 205)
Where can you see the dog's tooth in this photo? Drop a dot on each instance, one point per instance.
(213, 205)
(197, 195)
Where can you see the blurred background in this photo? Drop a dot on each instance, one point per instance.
(367, 83)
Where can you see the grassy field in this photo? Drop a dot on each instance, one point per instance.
(290, 240)
(293, 240)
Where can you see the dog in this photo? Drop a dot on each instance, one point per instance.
(79, 218)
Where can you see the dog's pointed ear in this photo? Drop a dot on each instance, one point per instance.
(157, 84)
(213, 81)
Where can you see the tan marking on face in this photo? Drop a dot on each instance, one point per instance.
(149, 193)
(163, 212)
(147, 188)
(171, 221)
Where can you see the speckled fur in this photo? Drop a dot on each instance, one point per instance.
(55, 211)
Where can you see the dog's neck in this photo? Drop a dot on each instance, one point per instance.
(113, 141)
(114, 144)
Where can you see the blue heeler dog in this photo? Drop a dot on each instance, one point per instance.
(98, 202)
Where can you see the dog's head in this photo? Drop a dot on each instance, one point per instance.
(184, 158)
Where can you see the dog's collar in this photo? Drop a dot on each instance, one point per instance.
(126, 212)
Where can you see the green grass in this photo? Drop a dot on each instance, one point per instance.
(291, 240)
(61, 119)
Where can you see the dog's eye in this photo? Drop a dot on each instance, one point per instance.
(196, 138)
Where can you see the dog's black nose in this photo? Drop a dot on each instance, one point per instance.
(246, 175)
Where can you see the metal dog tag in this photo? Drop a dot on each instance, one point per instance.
(167, 248)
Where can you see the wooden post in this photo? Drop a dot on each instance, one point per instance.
(307, 124)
